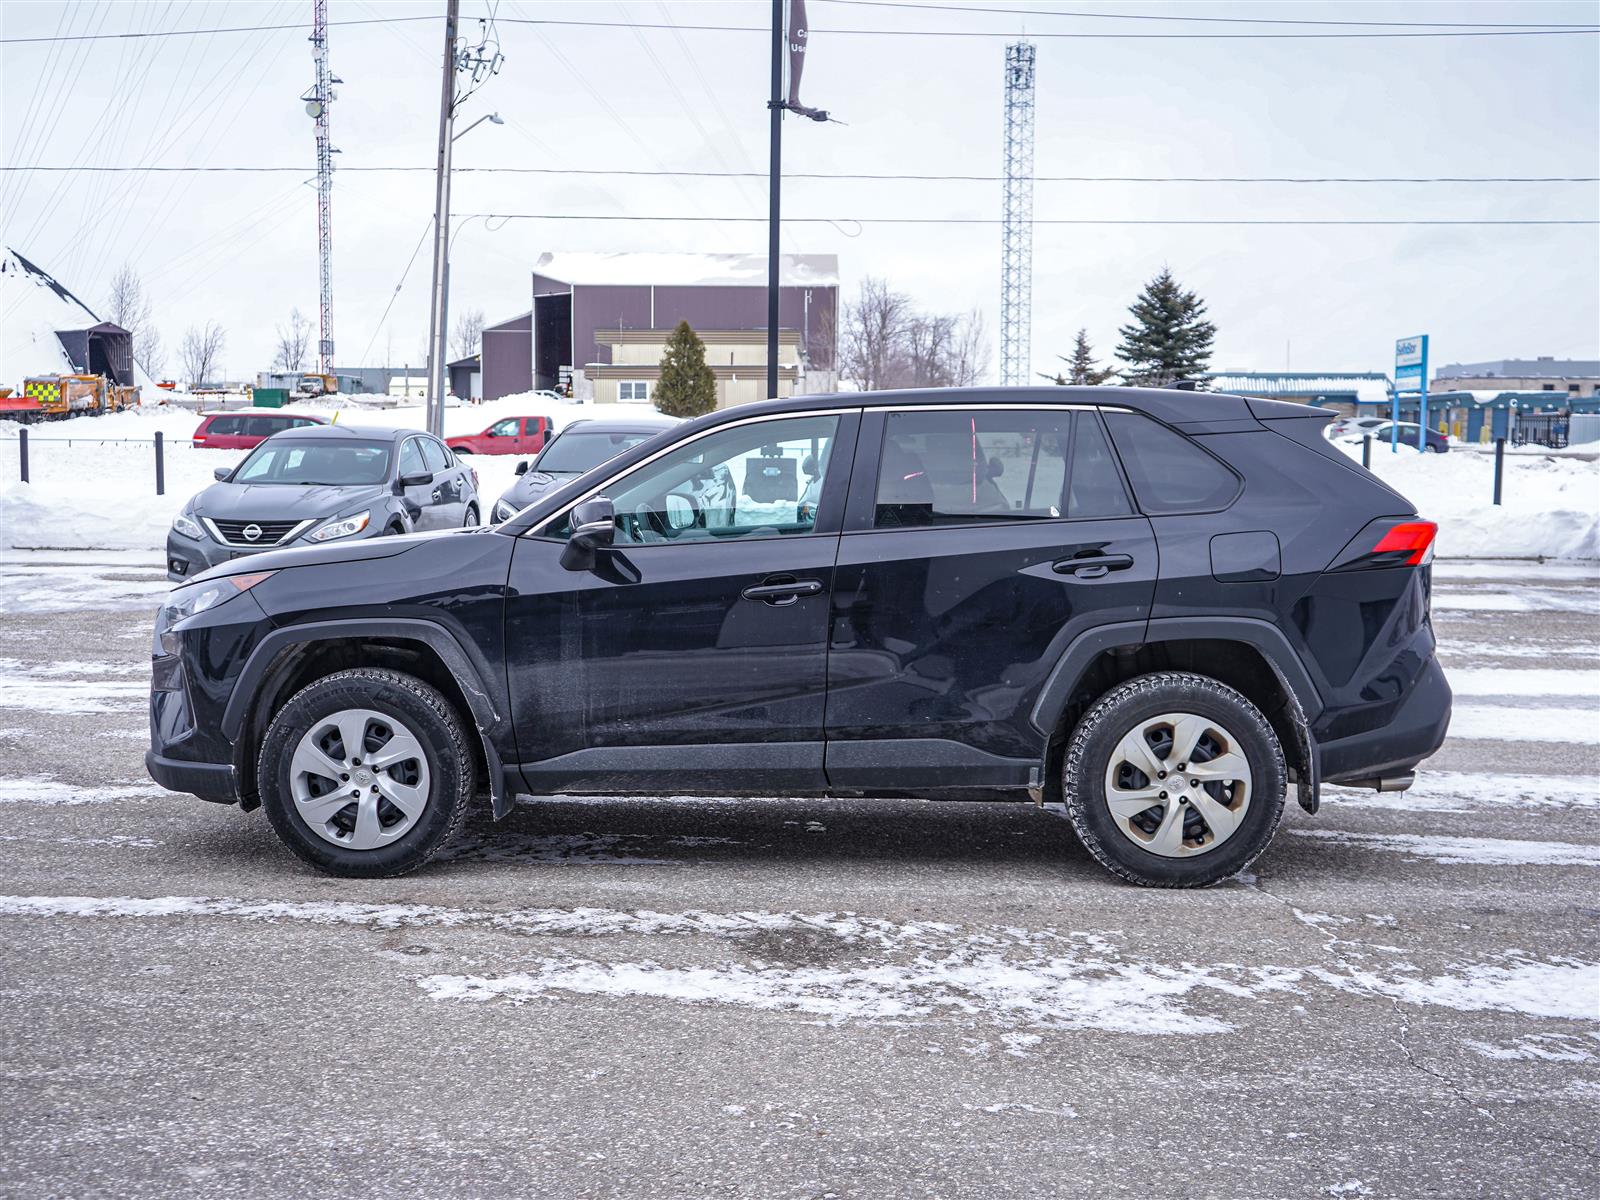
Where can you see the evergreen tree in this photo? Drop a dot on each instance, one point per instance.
(1169, 338)
(687, 387)
(1080, 367)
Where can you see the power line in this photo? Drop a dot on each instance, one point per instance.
(867, 176)
(840, 221)
(1105, 16)
(898, 33)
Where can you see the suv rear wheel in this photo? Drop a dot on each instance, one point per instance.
(1174, 780)
(366, 773)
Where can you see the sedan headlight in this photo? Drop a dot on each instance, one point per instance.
(189, 527)
(504, 511)
(195, 598)
(343, 527)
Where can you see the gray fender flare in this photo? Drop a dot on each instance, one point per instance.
(489, 712)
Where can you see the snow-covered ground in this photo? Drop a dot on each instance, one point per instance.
(94, 491)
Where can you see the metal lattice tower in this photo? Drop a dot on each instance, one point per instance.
(317, 104)
(1016, 238)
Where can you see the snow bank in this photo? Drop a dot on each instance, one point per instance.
(1550, 509)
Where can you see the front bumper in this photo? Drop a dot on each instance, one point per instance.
(187, 557)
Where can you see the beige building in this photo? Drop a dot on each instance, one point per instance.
(1567, 376)
(737, 357)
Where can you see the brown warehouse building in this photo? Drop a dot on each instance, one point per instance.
(600, 322)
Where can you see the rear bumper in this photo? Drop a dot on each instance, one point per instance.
(209, 781)
(1415, 731)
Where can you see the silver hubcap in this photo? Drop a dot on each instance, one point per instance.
(359, 779)
(1178, 785)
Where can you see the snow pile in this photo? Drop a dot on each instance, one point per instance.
(1550, 503)
(33, 306)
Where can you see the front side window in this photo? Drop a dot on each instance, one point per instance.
(983, 465)
(1169, 473)
(506, 428)
(433, 453)
(634, 391)
(411, 462)
(762, 479)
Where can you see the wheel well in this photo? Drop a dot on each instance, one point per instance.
(301, 665)
(1237, 664)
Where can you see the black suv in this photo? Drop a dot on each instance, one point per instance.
(1157, 608)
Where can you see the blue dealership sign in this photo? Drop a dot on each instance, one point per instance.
(1410, 375)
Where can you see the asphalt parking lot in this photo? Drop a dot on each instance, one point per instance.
(785, 998)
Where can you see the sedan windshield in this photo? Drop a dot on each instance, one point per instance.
(313, 462)
(578, 450)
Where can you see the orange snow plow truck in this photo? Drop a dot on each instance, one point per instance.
(51, 397)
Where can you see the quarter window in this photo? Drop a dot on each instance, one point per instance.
(1169, 473)
(761, 479)
(986, 465)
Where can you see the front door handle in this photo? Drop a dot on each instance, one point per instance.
(780, 594)
(1092, 566)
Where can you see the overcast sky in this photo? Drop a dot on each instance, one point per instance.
(241, 248)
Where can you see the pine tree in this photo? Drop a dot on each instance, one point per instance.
(1169, 338)
(687, 387)
(1080, 367)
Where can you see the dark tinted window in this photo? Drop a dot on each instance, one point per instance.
(577, 450)
(1169, 473)
(225, 426)
(982, 465)
(261, 426)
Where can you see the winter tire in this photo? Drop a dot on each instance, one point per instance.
(366, 773)
(471, 519)
(1174, 780)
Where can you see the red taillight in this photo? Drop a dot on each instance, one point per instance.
(1414, 539)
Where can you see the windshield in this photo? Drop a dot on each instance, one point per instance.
(578, 450)
(311, 462)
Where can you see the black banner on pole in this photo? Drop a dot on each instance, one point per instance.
(798, 33)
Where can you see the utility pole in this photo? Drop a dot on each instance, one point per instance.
(441, 226)
(1016, 238)
(774, 196)
(317, 102)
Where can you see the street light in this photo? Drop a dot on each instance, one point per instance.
(494, 117)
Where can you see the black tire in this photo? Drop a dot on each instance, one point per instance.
(471, 520)
(420, 708)
(1121, 710)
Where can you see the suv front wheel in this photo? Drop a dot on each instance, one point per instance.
(366, 773)
(1174, 780)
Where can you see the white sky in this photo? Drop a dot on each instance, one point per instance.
(241, 248)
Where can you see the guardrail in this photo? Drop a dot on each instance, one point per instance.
(159, 442)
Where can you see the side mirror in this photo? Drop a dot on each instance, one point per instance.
(522, 467)
(594, 524)
(411, 481)
(221, 474)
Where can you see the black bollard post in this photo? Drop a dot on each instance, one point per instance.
(161, 466)
(22, 449)
(1499, 465)
(1366, 452)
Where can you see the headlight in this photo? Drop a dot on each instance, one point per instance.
(343, 527)
(504, 511)
(195, 598)
(189, 528)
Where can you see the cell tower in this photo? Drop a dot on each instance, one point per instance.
(1016, 238)
(317, 101)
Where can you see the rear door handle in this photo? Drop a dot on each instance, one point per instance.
(1092, 566)
(779, 594)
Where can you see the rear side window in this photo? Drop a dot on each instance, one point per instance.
(225, 426)
(261, 427)
(1169, 473)
(985, 465)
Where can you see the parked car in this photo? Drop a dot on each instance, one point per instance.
(553, 396)
(322, 484)
(513, 435)
(1158, 609)
(581, 446)
(1352, 426)
(247, 428)
(1437, 443)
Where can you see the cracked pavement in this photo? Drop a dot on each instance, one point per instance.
(792, 998)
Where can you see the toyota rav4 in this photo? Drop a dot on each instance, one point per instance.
(1159, 610)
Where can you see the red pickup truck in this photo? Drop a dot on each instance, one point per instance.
(513, 435)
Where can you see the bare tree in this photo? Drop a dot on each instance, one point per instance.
(200, 351)
(149, 351)
(468, 335)
(888, 344)
(874, 326)
(294, 342)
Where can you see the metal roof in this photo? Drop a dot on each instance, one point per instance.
(686, 270)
